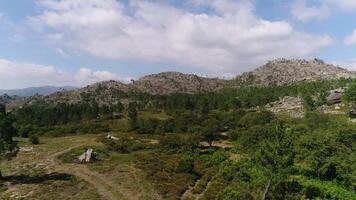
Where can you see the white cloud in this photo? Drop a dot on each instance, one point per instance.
(321, 10)
(62, 53)
(20, 75)
(345, 5)
(233, 39)
(351, 39)
(303, 12)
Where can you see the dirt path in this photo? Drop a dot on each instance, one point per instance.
(105, 187)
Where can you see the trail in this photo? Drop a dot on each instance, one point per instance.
(105, 187)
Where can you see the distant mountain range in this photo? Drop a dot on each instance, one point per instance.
(45, 90)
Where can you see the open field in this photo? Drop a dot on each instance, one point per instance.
(38, 174)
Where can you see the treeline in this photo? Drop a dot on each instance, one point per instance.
(245, 97)
(46, 115)
(228, 99)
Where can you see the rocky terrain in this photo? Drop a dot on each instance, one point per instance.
(108, 92)
(293, 106)
(283, 71)
(12, 101)
(174, 82)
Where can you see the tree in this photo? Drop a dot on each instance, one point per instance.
(8, 148)
(276, 154)
(309, 103)
(350, 94)
(34, 139)
(132, 114)
(210, 132)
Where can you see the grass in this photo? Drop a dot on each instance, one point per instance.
(31, 172)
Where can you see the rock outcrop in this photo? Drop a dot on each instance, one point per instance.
(284, 71)
(293, 106)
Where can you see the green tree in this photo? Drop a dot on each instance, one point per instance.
(276, 154)
(132, 114)
(34, 139)
(309, 103)
(210, 132)
(8, 148)
(350, 94)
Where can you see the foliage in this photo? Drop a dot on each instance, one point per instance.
(8, 148)
(34, 139)
(350, 94)
(132, 114)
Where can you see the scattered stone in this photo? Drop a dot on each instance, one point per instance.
(87, 156)
(26, 149)
(111, 137)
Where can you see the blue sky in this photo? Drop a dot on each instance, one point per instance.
(78, 42)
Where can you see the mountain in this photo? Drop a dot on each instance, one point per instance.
(108, 92)
(284, 71)
(26, 92)
(175, 82)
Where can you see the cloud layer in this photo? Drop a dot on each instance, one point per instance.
(231, 39)
(24, 75)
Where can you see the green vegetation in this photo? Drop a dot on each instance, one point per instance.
(8, 148)
(34, 139)
(178, 143)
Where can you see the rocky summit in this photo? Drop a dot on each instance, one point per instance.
(175, 82)
(284, 71)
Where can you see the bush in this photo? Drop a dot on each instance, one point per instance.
(256, 118)
(25, 131)
(34, 139)
(185, 165)
(123, 145)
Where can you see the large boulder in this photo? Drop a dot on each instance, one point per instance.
(335, 96)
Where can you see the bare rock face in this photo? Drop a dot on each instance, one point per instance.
(174, 82)
(284, 71)
(291, 105)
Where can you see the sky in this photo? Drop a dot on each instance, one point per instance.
(79, 42)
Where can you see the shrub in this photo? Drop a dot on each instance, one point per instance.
(185, 165)
(34, 139)
(123, 145)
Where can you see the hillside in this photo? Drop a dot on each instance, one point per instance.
(283, 71)
(174, 82)
(108, 92)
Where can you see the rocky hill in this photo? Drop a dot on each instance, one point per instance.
(174, 82)
(108, 92)
(284, 71)
(12, 101)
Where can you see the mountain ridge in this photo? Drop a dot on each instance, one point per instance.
(275, 72)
